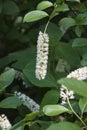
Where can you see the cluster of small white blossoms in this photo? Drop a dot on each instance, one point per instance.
(5, 123)
(42, 55)
(64, 92)
(80, 74)
(28, 102)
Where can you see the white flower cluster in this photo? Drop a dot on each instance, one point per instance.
(42, 55)
(28, 102)
(5, 123)
(18, 20)
(64, 92)
(80, 74)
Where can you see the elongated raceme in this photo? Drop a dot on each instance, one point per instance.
(28, 102)
(42, 55)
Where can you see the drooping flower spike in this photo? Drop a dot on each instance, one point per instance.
(42, 55)
(28, 102)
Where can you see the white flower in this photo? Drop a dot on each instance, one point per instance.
(64, 92)
(42, 55)
(5, 123)
(28, 102)
(79, 74)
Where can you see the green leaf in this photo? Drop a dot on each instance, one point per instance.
(10, 7)
(62, 7)
(4, 61)
(84, 59)
(81, 19)
(66, 23)
(74, 1)
(84, 56)
(84, 62)
(6, 79)
(54, 32)
(31, 116)
(78, 31)
(23, 57)
(79, 42)
(81, 8)
(34, 16)
(81, 50)
(83, 105)
(54, 110)
(19, 58)
(44, 4)
(18, 126)
(35, 126)
(80, 87)
(43, 124)
(64, 126)
(58, 1)
(51, 97)
(29, 72)
(66, 52)
(10, 102)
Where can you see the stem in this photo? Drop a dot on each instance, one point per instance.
(75, 112)
(46, 26)
(51, 16)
